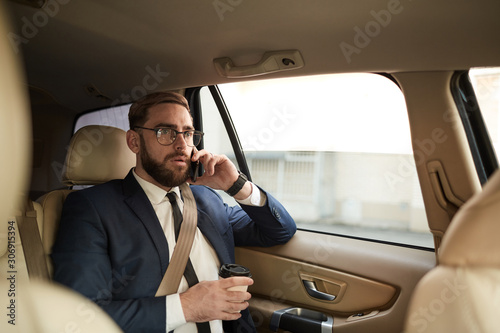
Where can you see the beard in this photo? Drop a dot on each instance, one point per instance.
(159, 172)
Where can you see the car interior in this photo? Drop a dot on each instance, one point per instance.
(375, 123)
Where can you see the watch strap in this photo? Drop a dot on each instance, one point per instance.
(238, 184)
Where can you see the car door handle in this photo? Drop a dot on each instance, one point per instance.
(314, 292)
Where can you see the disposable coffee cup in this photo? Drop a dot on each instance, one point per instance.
(230, 270)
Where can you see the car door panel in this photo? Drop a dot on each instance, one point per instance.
(371, 281)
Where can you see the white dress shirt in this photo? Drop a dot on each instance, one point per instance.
(203, 256)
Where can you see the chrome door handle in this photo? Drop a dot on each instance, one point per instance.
(314, 292)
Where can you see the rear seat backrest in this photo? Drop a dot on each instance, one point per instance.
(51, 204)
(96, 154)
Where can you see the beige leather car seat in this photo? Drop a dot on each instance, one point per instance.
(40, 307)
(96, 154)
(462, 294)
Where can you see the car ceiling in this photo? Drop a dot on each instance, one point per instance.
(113, 45)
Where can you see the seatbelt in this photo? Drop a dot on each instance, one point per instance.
(172, 278)
(32, 243)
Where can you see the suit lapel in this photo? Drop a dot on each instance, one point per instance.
(209, 230)
(137, 200)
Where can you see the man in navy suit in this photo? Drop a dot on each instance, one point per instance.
(116, 239)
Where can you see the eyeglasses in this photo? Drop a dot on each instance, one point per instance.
(166, 136)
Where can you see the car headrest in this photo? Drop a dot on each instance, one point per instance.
(472, 237)
(97, 154)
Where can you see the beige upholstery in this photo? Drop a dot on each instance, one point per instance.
(15, 129)
(52, 204)
(44, 309)
(28, 306)
(20, 264)
(97, 154)
(473, 237)
(462, 294)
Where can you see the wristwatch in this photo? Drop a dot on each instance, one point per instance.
(238, 184)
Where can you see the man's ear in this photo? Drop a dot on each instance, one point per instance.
(133, 141)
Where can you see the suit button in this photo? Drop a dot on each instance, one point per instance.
(276, 214)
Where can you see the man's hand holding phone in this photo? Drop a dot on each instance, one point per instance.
(220, 173)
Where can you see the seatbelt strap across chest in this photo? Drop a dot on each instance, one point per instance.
(172, 278)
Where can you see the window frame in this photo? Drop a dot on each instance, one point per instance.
(193, 96)
(481, 146)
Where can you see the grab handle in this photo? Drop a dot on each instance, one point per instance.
(276, 61)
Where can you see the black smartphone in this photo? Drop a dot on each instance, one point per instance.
(194, 169)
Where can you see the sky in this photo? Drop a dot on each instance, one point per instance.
(341, 112)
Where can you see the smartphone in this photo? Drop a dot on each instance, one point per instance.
(194, 168)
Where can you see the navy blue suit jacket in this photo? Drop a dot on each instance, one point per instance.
(112, 249)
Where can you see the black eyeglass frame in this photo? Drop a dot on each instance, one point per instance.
(158, 131)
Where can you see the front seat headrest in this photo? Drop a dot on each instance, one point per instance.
(15, 131)
(97, 154)
(472, 238)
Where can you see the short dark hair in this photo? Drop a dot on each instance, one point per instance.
(138, 114)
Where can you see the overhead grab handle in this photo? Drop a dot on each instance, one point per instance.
(271, 62)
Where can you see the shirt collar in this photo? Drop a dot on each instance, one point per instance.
(154, 193)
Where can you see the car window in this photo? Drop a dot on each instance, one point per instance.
(334, 149)
(215, 139)
(486, 84)
(114, 116)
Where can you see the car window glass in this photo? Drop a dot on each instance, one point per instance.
(486, 83)
(335, 150)
(114, 116)
(215, 139)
